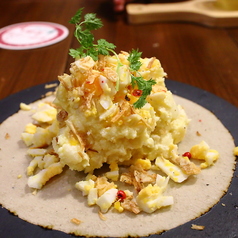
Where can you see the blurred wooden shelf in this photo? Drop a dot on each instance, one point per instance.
(204, 12)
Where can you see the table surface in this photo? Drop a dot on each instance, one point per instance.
(204, 57)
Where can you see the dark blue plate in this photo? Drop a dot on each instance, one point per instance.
(220, 221)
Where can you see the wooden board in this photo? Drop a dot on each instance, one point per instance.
(205, 12)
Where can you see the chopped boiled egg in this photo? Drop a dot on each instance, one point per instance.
(199, 151)
(53, 128)
(33, 165)
(118, 207)
(105, 101)
(34, 151)
(45, 113)
(211, 157)
(27, 138)
(172, 170)
(42, 137)
(85, 186)
(28, 134)
(202, 151)
(106, 200)
(40, 179)
(162, 181)
(49, 160)
(107, 86)
(144, 163)
(30, 128)
(150, 199)
(25, 107)
(114, 173)
(92, 196)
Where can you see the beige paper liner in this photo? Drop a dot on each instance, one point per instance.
(58, 202)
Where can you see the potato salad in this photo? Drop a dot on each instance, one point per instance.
(114, 120)
(128, 154)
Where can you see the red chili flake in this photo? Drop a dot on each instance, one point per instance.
(187, 154)
(121, 195)
(137, 92)
(200, 120)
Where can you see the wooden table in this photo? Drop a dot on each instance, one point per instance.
(201, 56)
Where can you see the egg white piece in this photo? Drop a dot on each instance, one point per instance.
(92, 196)
(173, 171)
(151, 198)
(107, 199)
(40, 179)
(85, 186)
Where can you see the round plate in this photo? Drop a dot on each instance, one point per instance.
(30, 35)
(220, 221)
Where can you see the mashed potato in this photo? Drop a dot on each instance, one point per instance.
(100, 125)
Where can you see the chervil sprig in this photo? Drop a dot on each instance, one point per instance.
(143, 85)
(134, 59)
(83, 33)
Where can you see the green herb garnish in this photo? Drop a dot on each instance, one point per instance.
(83, 33)
(144, 85)
(134, 59)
